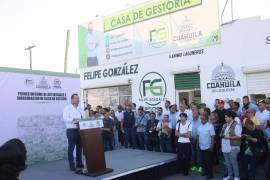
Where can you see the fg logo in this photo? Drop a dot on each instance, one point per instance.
(158, 35)
(152, 88)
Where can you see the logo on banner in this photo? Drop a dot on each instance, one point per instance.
(187, 31)
(223, 79)
(43, 84)
(29, 82)
(158, 35)
(152, 89)
(56, 84)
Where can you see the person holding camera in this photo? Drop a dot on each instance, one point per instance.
(251, 149)
(164, 129)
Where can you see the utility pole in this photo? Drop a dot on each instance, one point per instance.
(66, 51)
(29, 48)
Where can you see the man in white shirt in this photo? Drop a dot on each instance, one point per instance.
(206, 135)
(119, 113)
(263, 114)
(120, 116)
(91, 44)
(71, 112)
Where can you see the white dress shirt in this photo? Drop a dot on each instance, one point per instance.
(70, 113)
(119, 115)
(91, 42)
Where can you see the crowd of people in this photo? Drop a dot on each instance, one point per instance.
(238, 135)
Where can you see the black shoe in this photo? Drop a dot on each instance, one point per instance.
(209, 177)
(80, 167)
(72, 168)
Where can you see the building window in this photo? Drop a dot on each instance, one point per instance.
(108, 96)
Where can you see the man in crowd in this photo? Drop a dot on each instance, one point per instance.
(216, 103)
(107, 129)
(160, 114)
(173, 119)
(221, 112)
(140, 124)
(206, 135)
(195, 158)
(250, 114)
(236, 108)
(263, 115)
(71, 113)
(167, 107)
(247, 104)
(120, 116)
(252, 139)
(127, 126)
(183, 109)
(152, 133)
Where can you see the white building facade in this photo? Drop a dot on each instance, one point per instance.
(238, 66)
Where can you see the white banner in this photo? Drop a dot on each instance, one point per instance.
(31, 110)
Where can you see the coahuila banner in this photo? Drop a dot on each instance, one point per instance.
(159, 26)
(31, 109)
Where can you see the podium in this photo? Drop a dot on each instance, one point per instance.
(92, 143)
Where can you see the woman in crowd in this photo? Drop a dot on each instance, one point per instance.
(116, 128)
(252, 140)
(231, 140)
(12, 159)
(183, 133)
(164, 129)
(152, 134)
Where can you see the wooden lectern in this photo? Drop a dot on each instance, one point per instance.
(92, 143)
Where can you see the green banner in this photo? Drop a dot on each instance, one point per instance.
(148, 11)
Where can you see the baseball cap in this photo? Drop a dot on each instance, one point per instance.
(221, 101)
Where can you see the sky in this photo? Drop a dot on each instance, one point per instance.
(45, 23)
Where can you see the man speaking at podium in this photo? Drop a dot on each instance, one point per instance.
(71, 112)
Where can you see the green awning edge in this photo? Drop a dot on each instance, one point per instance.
(38, 72)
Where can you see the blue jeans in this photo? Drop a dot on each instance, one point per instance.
(130, 137)
(166, 145)
(142, 140)
(74, 140)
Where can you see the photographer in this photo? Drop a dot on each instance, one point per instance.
(152, 133)
(252, 142)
